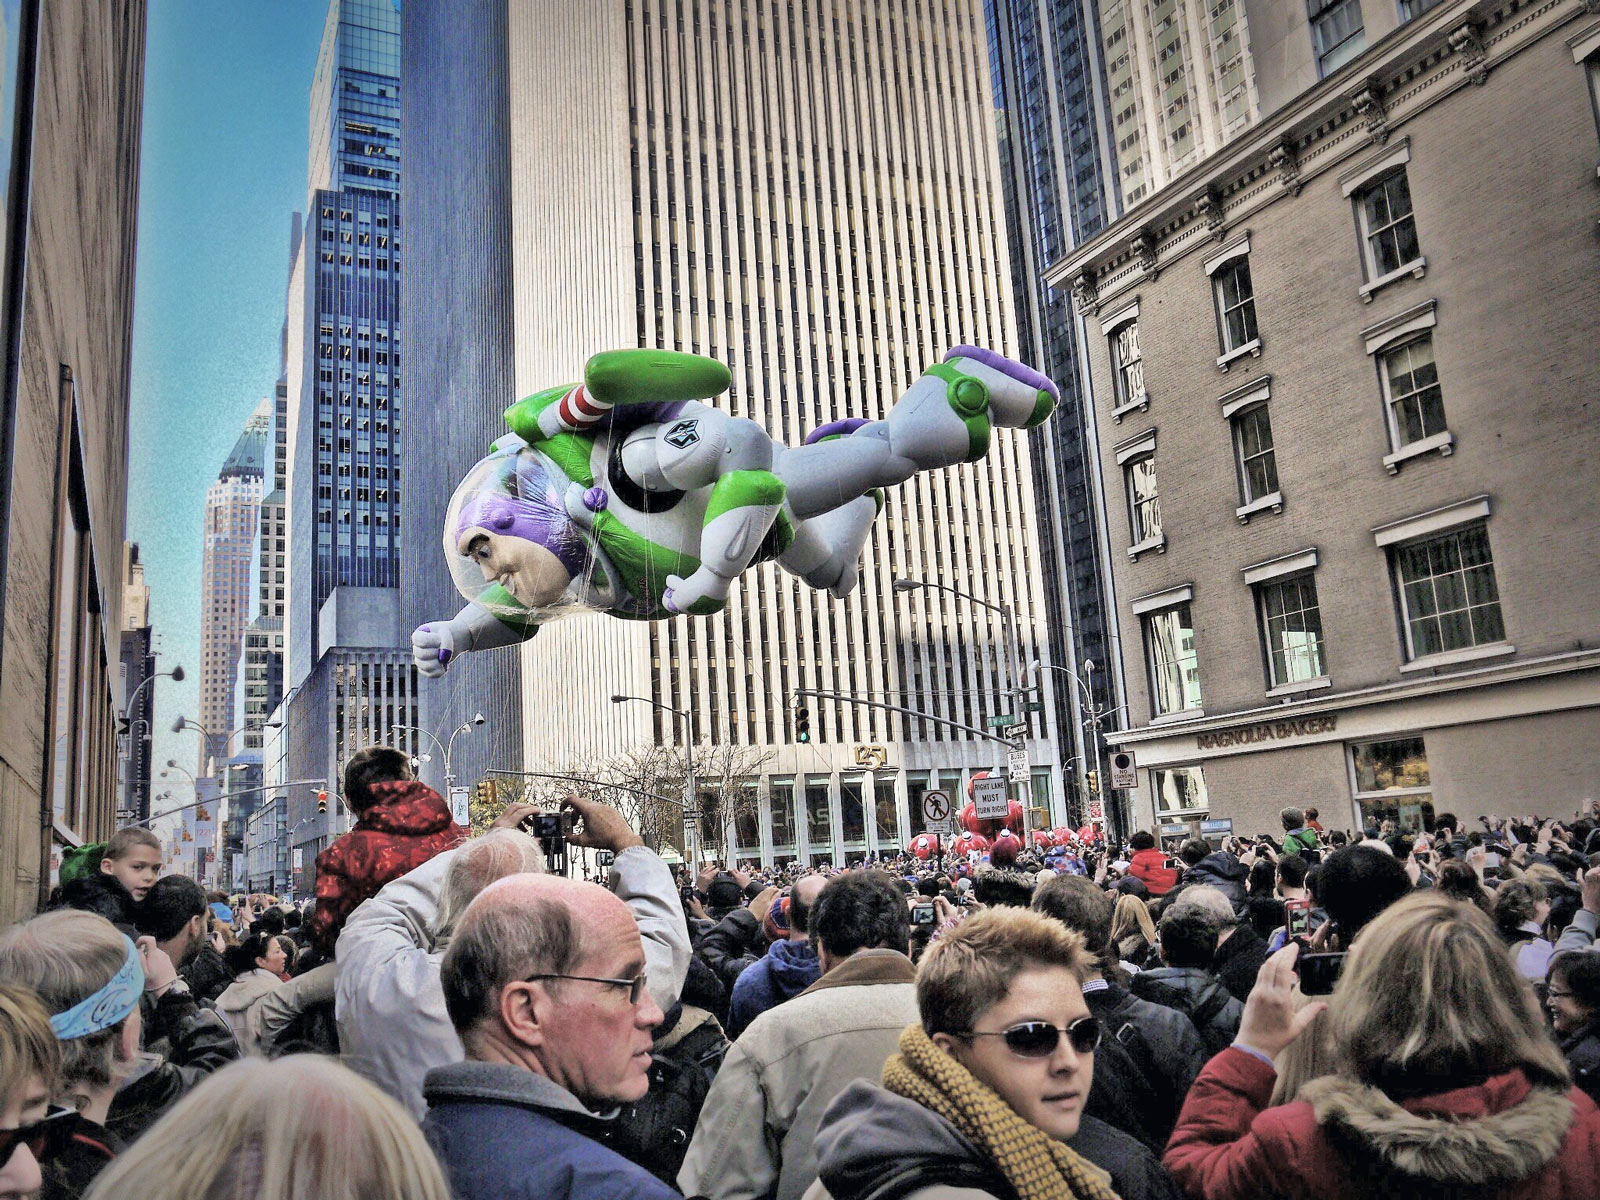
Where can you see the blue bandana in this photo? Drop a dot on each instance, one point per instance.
(108, 1007)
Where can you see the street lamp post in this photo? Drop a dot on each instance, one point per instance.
(176, 675)
(183, 723)
(443, 747)
(1094, 721)
(1012, 656)
(692, 800)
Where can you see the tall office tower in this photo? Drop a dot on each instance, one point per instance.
(344, 325)
(232, 505)
(348, 678)
(1181, 81)
(808, 193)
(1058, 174)
(138, 664)
(261, 681)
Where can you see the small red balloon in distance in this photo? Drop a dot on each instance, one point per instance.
(1063, 835)
(1005, 849)
(1040, 840)
(923, 846)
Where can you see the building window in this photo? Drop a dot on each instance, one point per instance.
(1254, 455)
(1388, 226)
(1127, 365)
(819, 824)
(1412, 9)
(1173, 664)
(1390, 782)
(1411, 393)
(1180, 790)
(781, 800)
(1144, 506)
(1402, 347)
(1337, 33)
(852, 809)
(1236, 308)
(1448, 597)
(1291, 626)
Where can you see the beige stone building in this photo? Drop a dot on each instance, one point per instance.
(70, 187)
(1344, 374)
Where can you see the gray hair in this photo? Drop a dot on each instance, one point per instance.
(479, 863)
(1207, 899)
(501, 942)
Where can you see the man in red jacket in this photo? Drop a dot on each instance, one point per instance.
(400, 824)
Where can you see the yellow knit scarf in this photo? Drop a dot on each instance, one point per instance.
(1037, 1165)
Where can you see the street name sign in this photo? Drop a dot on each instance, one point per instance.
(1002, 720)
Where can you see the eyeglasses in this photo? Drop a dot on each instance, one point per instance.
(45, 1138)
(1039, 1039)
(635, 986)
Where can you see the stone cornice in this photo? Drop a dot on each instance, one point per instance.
(1352, 111)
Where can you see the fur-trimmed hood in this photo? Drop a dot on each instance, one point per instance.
(1491, 1134)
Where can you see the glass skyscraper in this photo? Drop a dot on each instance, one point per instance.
(1058, 175)
(352, 301)
(348, 677)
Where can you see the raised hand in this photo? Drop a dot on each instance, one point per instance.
(1271, 1020)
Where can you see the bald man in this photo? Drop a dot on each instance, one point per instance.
(790, 964)
(756, 1131)
(545, 983)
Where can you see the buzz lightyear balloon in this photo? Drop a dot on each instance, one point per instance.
(627, 494)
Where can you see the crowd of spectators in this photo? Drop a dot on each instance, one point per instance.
(1383, 1011)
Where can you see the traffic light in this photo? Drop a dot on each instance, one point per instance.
(488, 792)
(322, 802)
(802, 724)
(1093, 778)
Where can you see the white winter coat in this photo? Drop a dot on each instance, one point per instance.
(389, 1003)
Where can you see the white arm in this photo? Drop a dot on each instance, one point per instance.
(644, 883)
(473, 628)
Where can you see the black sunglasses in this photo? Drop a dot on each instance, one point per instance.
(1038, 1039)
(46, 1137)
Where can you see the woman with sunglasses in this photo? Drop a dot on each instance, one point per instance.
(30, 1069)
(986, 1095)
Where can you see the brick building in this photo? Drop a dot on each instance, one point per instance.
(1344, 376)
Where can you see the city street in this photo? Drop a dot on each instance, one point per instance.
(696, 584)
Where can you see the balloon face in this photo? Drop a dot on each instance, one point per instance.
(508, 538)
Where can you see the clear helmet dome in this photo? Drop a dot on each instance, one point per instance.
(508, 539)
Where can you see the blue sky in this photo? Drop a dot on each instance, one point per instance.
(223, 165)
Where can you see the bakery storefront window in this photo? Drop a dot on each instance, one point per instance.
(1390, 782)
(1180, 790)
